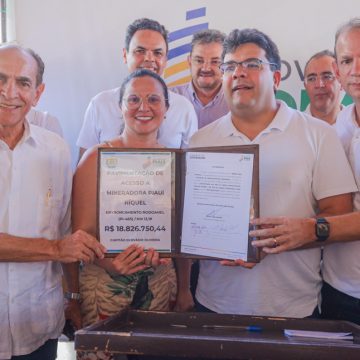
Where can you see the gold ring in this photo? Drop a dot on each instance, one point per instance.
(275, 243)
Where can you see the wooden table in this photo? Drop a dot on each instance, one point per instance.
(215, 336)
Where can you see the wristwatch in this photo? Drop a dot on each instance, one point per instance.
(322, 229)
(72, 295)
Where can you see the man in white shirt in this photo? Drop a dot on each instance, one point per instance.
(146, 46)
(322, 87)
(341, 266)
(35, 183)
(204, 90)
(341, 269)
(303, 172)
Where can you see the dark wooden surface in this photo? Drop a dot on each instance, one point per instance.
(183, 335)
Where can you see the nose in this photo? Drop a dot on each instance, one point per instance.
(8, 89)
(319, 82)
(144, 106)
(149, 56)
(206, 66)
(239, 72)
(356, 66)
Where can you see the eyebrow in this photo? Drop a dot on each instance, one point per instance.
(144, 48)
(24, 78)
(322, 73)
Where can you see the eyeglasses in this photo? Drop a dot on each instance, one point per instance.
(325, 78)
(252, 64)
(201, 62)
(133, 101)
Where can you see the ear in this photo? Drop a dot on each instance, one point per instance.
(189, 60)
(336, 70)
(124, 56)
(277, 79)
(38, 91)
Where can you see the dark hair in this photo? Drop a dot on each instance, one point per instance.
(353, 23)
(40, 64)
(207, 37)
(239, 37)
(139, 73)
(145, 24)
(319, 55)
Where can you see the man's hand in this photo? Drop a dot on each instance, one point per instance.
(79, 246)
(282, 233)
(238, 262)
(72, 313)
(184, 301)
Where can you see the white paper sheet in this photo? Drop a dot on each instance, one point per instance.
(217, 204)
(319, 334)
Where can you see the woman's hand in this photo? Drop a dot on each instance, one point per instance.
(130, 261)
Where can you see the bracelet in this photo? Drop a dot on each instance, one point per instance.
(72, 295)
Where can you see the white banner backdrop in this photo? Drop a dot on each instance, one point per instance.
(81, 41)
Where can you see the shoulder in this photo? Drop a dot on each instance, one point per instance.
(345, 115)
(48, 138)
(45, 120)
(307, 121)
(214, 130)
(51, 144)
(106, 96)
(180, 89)
(179, 101)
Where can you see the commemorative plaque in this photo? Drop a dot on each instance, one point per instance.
(194, 202)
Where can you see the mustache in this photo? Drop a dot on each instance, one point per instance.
(200, 73)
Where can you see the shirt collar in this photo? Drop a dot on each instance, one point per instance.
(29, 135)
(279, 123)
(192, 91)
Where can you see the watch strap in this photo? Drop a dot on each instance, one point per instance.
(72, 295)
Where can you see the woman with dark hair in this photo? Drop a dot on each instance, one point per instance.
(134, 277)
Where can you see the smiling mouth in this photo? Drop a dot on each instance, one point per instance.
(149, 66)
(9, 106)
(144, 118)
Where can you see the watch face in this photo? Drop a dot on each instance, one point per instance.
(322, 230)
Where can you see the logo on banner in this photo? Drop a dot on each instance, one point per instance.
(177, 71)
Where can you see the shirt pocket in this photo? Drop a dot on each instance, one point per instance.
(46, 309)
(48, 216)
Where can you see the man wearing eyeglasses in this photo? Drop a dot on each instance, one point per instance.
(146, 46)
(303, 172)
(323, 88)
(204, 90)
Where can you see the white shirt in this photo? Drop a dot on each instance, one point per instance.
(341, 265)
(45, 120)
(307, 111)
(103, 121)
(345, 126)
(35, 183)
(301, 161)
